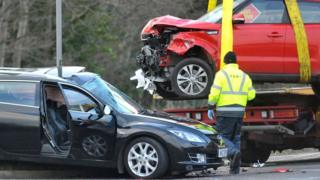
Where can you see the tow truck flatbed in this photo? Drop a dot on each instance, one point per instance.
(277, 119)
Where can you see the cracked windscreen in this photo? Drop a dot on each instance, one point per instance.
(112, 96)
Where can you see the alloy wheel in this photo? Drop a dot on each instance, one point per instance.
(95, 146)
(143, 159)
(192, 79)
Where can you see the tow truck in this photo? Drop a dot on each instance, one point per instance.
(278, 119)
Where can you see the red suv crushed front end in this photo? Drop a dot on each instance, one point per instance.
(168, 41)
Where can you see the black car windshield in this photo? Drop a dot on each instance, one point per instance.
(215, 15)
(112, 96)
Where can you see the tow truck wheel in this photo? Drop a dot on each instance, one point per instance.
(192, 78)
(316, 88)
(252, 154)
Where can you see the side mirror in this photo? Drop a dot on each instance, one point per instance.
(107, 110)
(238, 19)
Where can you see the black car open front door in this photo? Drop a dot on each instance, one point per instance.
(93, 132)
(55, 124)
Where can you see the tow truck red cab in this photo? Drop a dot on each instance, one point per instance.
(181, 56)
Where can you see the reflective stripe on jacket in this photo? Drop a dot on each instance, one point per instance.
(231, 87)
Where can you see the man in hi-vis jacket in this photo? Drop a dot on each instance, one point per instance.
(230, 92)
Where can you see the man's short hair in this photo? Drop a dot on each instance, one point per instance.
(230, 57)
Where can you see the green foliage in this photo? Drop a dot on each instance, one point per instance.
(89, 40)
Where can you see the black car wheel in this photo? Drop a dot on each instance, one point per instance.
(192, 77)
(145, 158)
(94, 146)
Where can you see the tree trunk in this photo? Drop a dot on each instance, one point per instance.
(4, 30)
(22, 30)
(49, 32)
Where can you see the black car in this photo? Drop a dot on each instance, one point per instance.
(86, 121)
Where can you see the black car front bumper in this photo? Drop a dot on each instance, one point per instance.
(184, 157)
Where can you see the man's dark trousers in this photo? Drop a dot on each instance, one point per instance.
(229, 129)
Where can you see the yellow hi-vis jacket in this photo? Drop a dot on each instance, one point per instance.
(231, 87)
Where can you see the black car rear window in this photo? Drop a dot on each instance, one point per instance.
(23, 93)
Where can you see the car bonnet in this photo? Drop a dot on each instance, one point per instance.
(183, 121)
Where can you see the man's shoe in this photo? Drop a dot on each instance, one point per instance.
(235, 163)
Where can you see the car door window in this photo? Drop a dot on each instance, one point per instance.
(310, 11)
(264, 12)
(79, 101)
(23, 93)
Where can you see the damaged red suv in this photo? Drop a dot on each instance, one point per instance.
(180, 56)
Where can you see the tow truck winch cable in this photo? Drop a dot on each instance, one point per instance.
(226, 30)
(298, 27)
(211, 5)
(301, 40)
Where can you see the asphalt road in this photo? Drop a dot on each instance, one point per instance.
(300, 166)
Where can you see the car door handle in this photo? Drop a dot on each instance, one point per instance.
(275, 35)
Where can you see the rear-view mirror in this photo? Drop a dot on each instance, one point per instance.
(107, 110)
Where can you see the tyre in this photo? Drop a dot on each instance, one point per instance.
(94, 146)
(316, 88)
(192, 78)
(253, 154)
(162, 90)
(145, 158)
(263, 155)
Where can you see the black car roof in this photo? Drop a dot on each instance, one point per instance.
(25, 76)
